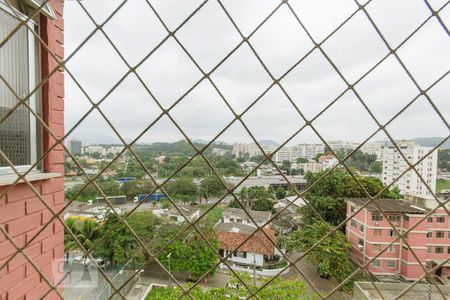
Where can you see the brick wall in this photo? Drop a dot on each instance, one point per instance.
(22, 213)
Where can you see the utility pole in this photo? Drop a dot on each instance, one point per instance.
(254, 268)
(168, 256)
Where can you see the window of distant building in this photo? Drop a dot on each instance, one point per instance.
(360, 242)
(353, 223)
(429, 234)
(448, 250)
(394, 218)
(428, 264)
(440, 219)
(440, 234)
(405, 248)
(391, 264)
(439, 250)
(392, 233)
(430, 219)
(391, 248)
(376, 248)
(240, 254)
(377, 232)
(428, 249)
(361, 227)
(377, 217)
(376, 263)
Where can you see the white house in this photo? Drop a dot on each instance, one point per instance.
(256, 251)
(175, 216)
(239, 215)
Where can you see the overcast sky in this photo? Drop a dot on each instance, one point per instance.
(209, 36)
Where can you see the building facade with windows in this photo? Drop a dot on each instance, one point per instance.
(28, 207)
(410, 183)
(370, 234)
(76, 147)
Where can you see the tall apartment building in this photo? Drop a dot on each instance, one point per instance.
(309, 151)
(251, 149)
(24, 218)
(373, 148)
(284, 154)
(410, 183)
(75, 147)
(369, 233)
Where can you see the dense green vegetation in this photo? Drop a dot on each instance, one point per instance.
(182, 188)
(190, 253)
(444, 160)
(442, 184)
(328, 197)
(256, 197)
(277, 289)
(330, 255)
(361, 161)
(90, 192)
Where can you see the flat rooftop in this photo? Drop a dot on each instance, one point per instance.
(390, 205)
(366, 290)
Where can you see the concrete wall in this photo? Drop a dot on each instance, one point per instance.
(22, 214)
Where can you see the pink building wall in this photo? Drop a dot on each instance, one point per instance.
(406, 264)
(22, 214)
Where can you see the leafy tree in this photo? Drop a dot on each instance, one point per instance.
(302, 160)
(121, 246)
(263, 205)
(330, 255)
(132, 169)
(444, 159)
(277, 289)
(182, 188)
(96, 155)
(286, 166)
(136, 187)
(376, 167)
(280, 193)
(90, 192)
(212, 186)
(86, 233)
(257, 158)
(328, 195)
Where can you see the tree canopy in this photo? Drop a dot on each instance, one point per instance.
(328, 195)
(330, 255)
(182, 188)
(277, 289)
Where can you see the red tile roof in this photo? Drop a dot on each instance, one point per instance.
(258, 242)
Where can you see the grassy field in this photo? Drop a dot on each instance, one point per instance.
(442, 184)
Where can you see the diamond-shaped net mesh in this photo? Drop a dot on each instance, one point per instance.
(313, 49)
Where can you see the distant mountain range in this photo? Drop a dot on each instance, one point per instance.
(432, 141)
(98, 138)
(269, 143)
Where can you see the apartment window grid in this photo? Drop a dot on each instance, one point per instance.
(361, 8)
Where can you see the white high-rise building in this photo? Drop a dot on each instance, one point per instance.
(309, 151)
(282, 155)
(410, 183)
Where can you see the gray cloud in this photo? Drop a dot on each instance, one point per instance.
(209, 36)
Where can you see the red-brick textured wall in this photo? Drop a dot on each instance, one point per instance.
(22, 213)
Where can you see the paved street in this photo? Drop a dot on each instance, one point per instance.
(310, 271)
